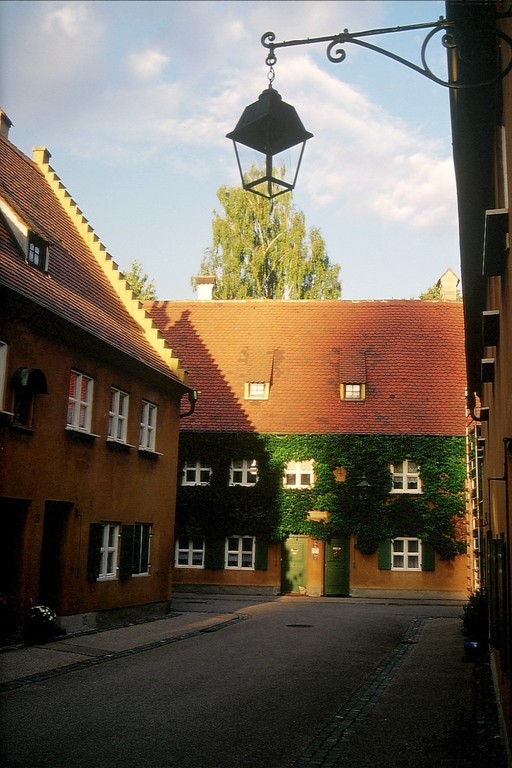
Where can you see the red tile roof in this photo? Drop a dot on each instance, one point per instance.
(76, 287)
(410, 355)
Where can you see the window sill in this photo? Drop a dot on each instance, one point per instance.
(21, 428)
(148, 454)
(191, 567)
(118, 445)
(409, 491)
(81, 435)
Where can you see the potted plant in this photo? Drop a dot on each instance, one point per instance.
(39, 625)
(475, 626)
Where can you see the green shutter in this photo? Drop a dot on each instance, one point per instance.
(261, 555)
(126, 556)
(94, 553)
(384, 555)
(214, 554)
(428, 557)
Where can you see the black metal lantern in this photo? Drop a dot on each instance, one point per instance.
(363, 487)
(269, 127)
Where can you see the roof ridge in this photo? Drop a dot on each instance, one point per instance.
(133, 306)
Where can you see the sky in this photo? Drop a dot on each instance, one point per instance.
(134, 100)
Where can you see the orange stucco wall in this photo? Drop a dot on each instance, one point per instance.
(99, 482)
(255, 581)
(449, 578)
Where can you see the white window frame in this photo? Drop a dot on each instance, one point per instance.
(80, 404)
(257, 390)
(406, 553)
(197, 471)
(243, 472)
(239, 556)
(298, 470)
(148, 418)
(188, 549)
(353, 391)
(407, 472)
(118, 415)
(109, 552)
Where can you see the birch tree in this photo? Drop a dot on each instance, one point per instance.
(262, 249)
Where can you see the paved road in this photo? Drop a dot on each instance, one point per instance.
(299, 683)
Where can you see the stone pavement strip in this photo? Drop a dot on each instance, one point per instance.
(25, 665)
(419, 722)
(326, 749)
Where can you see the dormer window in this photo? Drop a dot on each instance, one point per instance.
(37, 252)
(257, 390)
(353, 391)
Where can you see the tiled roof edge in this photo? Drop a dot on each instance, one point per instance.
(110, 268)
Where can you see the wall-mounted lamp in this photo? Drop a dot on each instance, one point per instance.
(363, 487)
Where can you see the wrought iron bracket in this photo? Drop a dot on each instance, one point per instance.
(336, 53)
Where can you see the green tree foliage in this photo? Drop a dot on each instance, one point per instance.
(262, 249)
(139, 282)
(434, 293)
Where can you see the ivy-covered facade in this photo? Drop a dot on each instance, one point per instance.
(331, 512)
(270, 512)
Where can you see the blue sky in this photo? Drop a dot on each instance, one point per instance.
(133, 100)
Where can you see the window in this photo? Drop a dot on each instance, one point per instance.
(299, 474)
(257, 390)
(147, 426)
(243, 472)
(37, 252)
(118, 415)
(353, 391)
(135, 550)
(240, 551)
(103, 551)
(80, 401)
(196, 473)
(26, 383)
(406, 554)
(189, 553)
(406, 477)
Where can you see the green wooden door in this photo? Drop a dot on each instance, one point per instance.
(337, 566)
(294, 564)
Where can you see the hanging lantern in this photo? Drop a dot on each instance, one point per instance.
(269, 141)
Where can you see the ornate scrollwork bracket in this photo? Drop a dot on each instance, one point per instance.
(465, 50)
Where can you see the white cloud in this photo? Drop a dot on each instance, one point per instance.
(71, 19)
(363, 156)
(148, 64)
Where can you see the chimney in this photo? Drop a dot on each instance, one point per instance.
(204, 287)
(448, 283)
(5, 124)
(41, 155)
